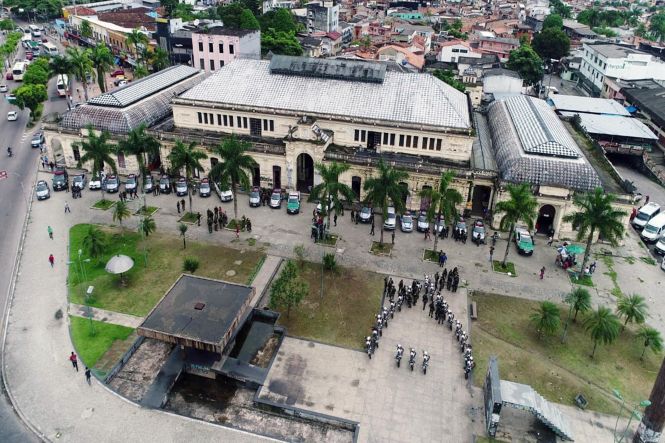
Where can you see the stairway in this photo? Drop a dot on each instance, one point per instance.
(523, 397)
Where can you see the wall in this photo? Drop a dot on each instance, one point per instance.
(502, 84)
(247, 46)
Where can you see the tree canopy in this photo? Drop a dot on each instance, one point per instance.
(527, 63)
(559, 8)
(280, 19)
(551, 43)
(657, 26)
(31, 97)
(248, 21)
(284, 43)
(448, 76)
(289, 289)
(553, 21)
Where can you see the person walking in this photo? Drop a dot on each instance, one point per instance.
(67, 208)
(491, 253)
(74, 360)
(177, 205)
(182, 204)
(237, 230)
(335, 219)
(198, 218)
(444, 259)
(542, 272)
(51, 260)
(371, 232)
(352, 215)
(51, 165)
(550, 240)
(392, 238)
(87, 375)
(50, 232)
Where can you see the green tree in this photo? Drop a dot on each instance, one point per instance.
(632, 308)
(521, 206)
(230, 14)
(120, 211)
(81, 66)
(94, 241)
(282, 43)
(559, 8)
(641, 31)
(85, 29)
(159, 59)
(330, 187)
(140, 71)
(147, 225)
(31, 97)
(443, 202)
(603, 326)
(97, 150)
(254, 6)
(596, 214)
(183, 230)
(140, 144)
(234, 166)
(546, 318)
(384, 188)
(289, 289)
(527, 63)
(169, 6)
(589, 17)
(60, 66)
(248, 21)
(551, 43)
(36, 74)
(553, 21)
(580, 301)
(279, 20)
(657, 26)
(102, 58)
(189, 158)
(607, 32)
(137, 40)
(652, 340)
(7, 24)
(448, 76)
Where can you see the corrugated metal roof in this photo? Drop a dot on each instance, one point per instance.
(615, 125)
(590, 105)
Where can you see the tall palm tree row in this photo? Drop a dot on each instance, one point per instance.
(330, 187)
(97, 149)
(140, 144)
(188, 157)
(651, 339)
(603, 326)
(521, 206)
(596, 214)
(159, 59)
(632, 308)
(443, 202)
(546, 318)
(102, 58)
(384, 188)
(81, 66)
(234, 166)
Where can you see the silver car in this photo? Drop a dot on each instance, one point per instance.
(111, 183)
(391, 220)
(365, 214)
(95, 183)
(130, 184)
(42, 190)
(406, 223)
(181, 187)
(423, 224)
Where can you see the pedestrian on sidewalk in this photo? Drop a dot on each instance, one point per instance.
(371, 232)
(353, 218)
(237, 230)
(393, 238)
(67, 208)
(51, 166)
(491, 253)
(335, 219)
(198, 218)
(182, 204)
(87, 375)
(51, 260)
(50, 232)
(550, 240)
(542, 272)
(74, 360)
(178, 206)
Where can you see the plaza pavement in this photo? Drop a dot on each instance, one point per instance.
(59, 406)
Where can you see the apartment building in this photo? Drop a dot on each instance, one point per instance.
(217, 46)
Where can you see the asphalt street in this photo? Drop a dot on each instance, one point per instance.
(15, 192)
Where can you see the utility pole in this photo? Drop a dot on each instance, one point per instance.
(650, 428)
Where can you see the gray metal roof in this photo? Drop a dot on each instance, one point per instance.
(338, 69)
(614, 125)
(590, 105)
(407, 98)
(532, 145)
(611, 50)
(140, 89)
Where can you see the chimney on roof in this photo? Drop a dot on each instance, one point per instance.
(199, 306)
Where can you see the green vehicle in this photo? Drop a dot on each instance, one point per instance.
(293, 203)
(523, 241)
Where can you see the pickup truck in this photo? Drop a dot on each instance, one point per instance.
(293, 203)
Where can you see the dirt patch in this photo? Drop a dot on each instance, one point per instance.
(263, 356)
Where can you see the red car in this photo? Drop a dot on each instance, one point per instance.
(117, 72)
(29, 55)
(9, 75)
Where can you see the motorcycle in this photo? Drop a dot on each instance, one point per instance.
(398, 355)
(495, 237)
(412, 358)
(425, 361)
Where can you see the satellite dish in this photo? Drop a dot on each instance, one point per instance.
(196, 22)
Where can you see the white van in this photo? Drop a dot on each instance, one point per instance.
(646, 213)
(654, 230)
(660, 246)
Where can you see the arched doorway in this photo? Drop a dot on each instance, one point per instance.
(355, 186)
(480, 199)
(545, 220)
(425, 201)
(277, 177)
(304, 173)
(256, 176)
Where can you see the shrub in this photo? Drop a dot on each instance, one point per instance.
(190, 264)
(329, 262)
(299, 251)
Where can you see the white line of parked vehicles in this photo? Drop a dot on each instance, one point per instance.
(650, 221)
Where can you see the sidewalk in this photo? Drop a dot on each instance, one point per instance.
(115, 318)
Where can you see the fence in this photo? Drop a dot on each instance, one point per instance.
(125, 358)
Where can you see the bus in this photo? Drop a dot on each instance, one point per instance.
(19, 70)
(62, 85)
(49, 49)
(35, 31)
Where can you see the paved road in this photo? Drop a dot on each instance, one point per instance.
(15, 191)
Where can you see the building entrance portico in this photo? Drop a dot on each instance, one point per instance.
(545, 220)
(304, 173)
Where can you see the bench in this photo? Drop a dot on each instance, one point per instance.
(473, 311)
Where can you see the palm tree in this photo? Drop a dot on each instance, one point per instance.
(651, 338)
(183, 229)
(85, 29)
(385, 188)
(602, 326)
(159, 59)
(60, 66)
(136, 38)
(234, 166)
(82, 66)
(633, 308)
(140, 144)
(186, 156)
(102, 58)
(94, 241)
(140, 71)
(147, 225)
(98, 151)
(596, 214)
(443, 201)
(120, 212)
(546, 318)
(330, 188)
(579, 301)
(521, 206)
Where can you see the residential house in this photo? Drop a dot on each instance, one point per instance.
(498, 46)
(402, 56)
(322, 16)
(312, 46)
(452, 50)
(214, 47)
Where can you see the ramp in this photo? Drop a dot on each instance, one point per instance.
(523, 397)
(158, 391)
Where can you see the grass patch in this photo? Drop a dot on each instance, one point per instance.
(329, 240)
(256, 270)
(431, 255)
(89, 347)
(251, 241)
(188, 217)
(103, 204)
(146, 285)
(649, 261)
(630, 260)
(583, 280)
(146, 211)
(559, 371)
(351, 299)
(497, 266)
(378, 248)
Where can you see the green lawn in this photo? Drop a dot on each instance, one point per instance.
(497, 265)
(145, 286)
(147, 210)
(583, 280)
(379, 248)
(103, 204)
(90, 348)
(559, 371)
(431, 255)
(188, 217)
(351, 299)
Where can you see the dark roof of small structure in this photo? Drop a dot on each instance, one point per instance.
(198, 309)
(649, 98)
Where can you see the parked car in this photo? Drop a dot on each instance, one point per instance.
(478, 232)
(11, 98)
(255, 197)
(204, 188)
(660, 246)
(165, 184)
(406, 222)
(42, 190)
(118, 79)
(12, 116)
(148, 183)
(293, 203)
(391, 220)
(37, 140)
(439, 225)
(181, 187)
(523, 241)
(78, 180)
(276, 199)
(3, 88)
(365, 214)
(95, 183)
(117, 72)
(662, 264)
(60, 180)
(225, 193)
(423, 224)
(461, 226)
(9, 75)
(131, 183)
(111, 183)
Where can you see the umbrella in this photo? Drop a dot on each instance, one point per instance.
(575, 249)
(119, 264)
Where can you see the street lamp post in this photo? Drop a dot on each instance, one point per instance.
(633, 413)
